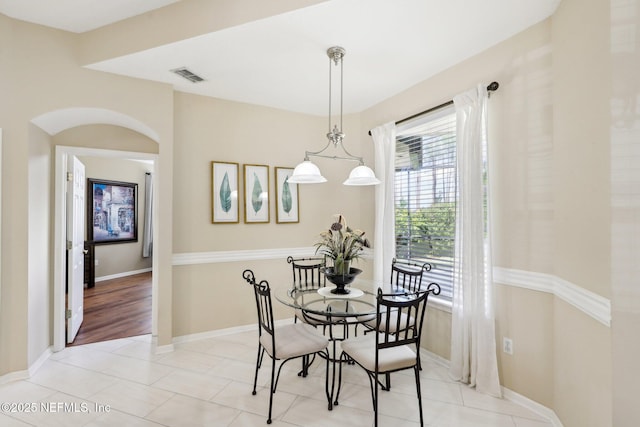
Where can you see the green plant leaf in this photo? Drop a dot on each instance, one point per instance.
(225, 194)
(256, 199)
(286, 196)
(341, 243)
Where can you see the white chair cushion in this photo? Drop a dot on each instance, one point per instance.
(294, 340)
(311, 318)
(363, 351)
(393, 318)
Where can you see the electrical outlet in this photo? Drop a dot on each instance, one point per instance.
(96, 262)
(507, 345)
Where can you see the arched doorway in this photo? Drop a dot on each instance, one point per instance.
(54, 123)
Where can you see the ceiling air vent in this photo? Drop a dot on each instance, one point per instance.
(184, 72)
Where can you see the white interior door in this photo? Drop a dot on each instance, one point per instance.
(75, 246)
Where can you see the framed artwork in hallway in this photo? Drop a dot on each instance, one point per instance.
(112, 214)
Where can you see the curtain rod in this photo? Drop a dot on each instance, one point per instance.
(493, 86)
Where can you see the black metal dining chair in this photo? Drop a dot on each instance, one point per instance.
(392, 349)
(406, 275)
(282, 343)
(308, 273)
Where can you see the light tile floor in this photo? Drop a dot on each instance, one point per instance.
(209, 382)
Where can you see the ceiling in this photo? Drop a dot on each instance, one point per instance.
(281, 61)
(77, 16)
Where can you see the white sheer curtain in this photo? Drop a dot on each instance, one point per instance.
(473, 343)
(384, 241)
(147, 235)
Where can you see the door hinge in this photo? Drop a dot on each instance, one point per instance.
(68, 314)
(69, 176)
(69, 245)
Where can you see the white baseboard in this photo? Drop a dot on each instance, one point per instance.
(28, 373)
(213, 334)
(162, 349)
(222, 332)
(532, 405)
(14, 376)
(33, 368)
(435, 358)
(507, 394)
(124, 274)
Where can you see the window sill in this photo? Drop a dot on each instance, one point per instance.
(439, 304)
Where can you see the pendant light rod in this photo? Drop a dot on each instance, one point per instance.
(335, 134)
(335, 55)
(318, 154)
(307, 172)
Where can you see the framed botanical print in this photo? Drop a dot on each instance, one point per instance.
(224, 192)
(112, 211)
(256, 193)
(287, 203)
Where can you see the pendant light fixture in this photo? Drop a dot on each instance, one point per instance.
(307, 172)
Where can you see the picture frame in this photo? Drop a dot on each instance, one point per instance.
(224, 192)
(112, 211)
(287, 197)
(256, 193)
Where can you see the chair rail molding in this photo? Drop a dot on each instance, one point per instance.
(191, 258)
(592, 304)
(213, 257)
(583, 299)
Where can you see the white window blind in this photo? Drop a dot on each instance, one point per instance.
(425, 194)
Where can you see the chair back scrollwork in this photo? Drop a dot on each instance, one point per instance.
(308, 273)
(264, 307)
(408, 274)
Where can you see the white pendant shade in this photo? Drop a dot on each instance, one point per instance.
(306, 173)
(362, 175)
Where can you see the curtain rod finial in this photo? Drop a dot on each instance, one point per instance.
(493, 86)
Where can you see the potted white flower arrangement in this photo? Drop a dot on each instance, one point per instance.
(341, 244)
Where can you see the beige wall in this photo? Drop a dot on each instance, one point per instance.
(582, 254)
(625, 210)
(527, 317)
(581, 144)
(202, 295)
(582, 369)
(561, 161)
(113, 259)
(215, 130)
(521, 135)
(107, 137)
(43, 60)
(436, 336)
(549, 149)
(40, 243)
(125, 257)
(210, 129)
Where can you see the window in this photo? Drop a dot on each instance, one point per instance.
(425, 194)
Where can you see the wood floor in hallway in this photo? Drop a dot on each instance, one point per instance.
(116, 308)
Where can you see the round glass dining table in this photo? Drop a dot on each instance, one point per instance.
(323, 306)
(338, 314)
